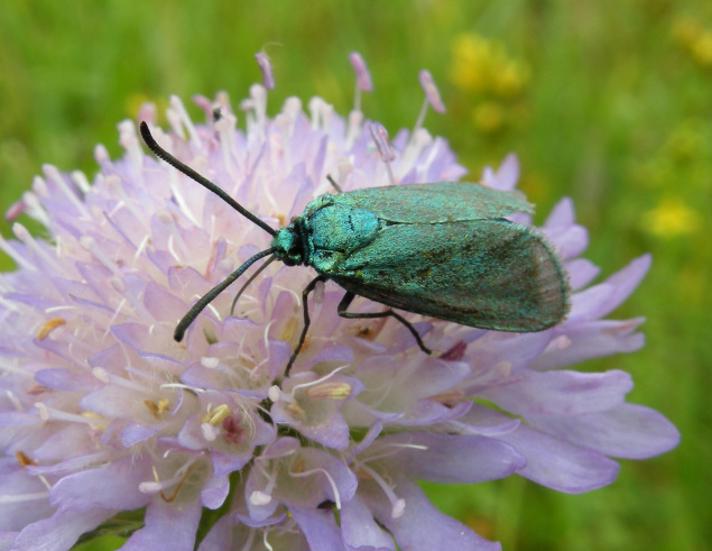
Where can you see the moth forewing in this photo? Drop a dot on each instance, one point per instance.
(492, 274)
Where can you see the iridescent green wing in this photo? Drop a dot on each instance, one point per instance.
(438, 202)
(492, 274)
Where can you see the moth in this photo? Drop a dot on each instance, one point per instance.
(443, 249)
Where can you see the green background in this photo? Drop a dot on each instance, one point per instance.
(609, 102)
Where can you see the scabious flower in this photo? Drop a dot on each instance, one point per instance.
(103, 413)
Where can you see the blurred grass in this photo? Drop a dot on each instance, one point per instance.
(613, 109)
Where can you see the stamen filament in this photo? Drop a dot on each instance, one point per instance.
(397, 504)
(22, 498)
(332, 482)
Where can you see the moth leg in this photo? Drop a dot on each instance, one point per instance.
(305, 308)
(337, 187)
(348, 299)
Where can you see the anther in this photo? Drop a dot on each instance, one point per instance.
(363, 78)
(380, 138)
(49, 326)
(266, 67)
(334, 391)
(432, 98)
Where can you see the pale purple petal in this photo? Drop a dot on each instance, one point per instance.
(586, 340)
(167, 526)
(103, 406)
(360, 531)
(581, 272)
(111, 486)
(319, 528)
(506, 176)
(561, 392)
(421, 527)
(562, 215)
(629, 431)
(60, 531)
(556, 464)
(451, 458)
(18, 482)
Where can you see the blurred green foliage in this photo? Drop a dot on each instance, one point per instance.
(609, 102)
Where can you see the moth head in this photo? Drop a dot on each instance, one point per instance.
(288, 247)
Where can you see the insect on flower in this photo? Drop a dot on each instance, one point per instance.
(443, 249)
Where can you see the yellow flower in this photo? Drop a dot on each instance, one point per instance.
(686, 31)
(488, 117)
(471, 54)
(482, 66)
(672, 217)
(510, 79)
(702, 49)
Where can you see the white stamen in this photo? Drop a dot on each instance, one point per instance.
(214, 310)
(35, 208)
(113, 318)
(210, 432)
(397, 447)
(177, 104)
(182, 386)
(51, 414)
(157, 485)
(53, 309)
(250, 540)
(105, 377)
(182, 204)
(80, 179)
(22, 498)
(265, 542)
(321, 113)
(24, 235)
(397, 504)
(274, 393)
(172, 250)
(13, 399)
(258, 498)
(209, 362)
(332, 482)
(141, 247)
(319, 380)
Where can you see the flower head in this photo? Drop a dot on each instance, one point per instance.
(102, 412)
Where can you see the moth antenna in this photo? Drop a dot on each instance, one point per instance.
(202, 180)
(336, 186)
(208, 297)
(250, 279)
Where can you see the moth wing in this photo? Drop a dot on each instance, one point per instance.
(436, 203)
(491, 274)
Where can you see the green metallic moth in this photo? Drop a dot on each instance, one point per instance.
(443, 249)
